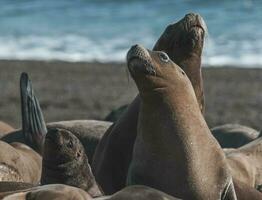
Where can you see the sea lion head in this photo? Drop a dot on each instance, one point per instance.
(183, 42)
(65, 162)
(184, 39)
(62, 146)
(153, 70)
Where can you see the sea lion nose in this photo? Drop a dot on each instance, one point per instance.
(137, 50)
(54, 135)
(191, 15)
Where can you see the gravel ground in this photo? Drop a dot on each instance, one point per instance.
(91, 90)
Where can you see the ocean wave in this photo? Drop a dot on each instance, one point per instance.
(104, 30)
(75, 48)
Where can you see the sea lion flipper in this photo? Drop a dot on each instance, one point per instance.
(34, 127)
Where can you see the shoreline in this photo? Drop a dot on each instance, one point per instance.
(90, 90)
(97, 62)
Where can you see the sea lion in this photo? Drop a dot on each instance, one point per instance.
(183, 42)
(246, 163)
(173, 138)
(234, 135)
(65, 162)
(5, 128)
(50, 192)
(19, 163)
(34, 126)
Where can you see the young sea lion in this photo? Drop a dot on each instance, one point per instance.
(234, 135)
(89, 132)
(183, 42)
(65, 162)
(174, 150)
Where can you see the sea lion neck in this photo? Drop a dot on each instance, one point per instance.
(192, 67)
(167, 105)
(183, 42)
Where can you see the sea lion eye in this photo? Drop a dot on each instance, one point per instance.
(70, 144)
(164, 57)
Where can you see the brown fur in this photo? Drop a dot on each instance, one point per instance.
(19, 163)
(174, 150)
(113, 154)
(65, 162)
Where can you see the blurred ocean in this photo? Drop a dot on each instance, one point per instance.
(103, 30)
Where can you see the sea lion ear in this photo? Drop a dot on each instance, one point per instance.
(34, 127)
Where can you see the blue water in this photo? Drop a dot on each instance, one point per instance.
(103, 30)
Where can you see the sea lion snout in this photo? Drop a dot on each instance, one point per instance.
(54, 136)
(194, 20)
(139, 60)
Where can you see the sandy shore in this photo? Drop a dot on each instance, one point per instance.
(91, 90)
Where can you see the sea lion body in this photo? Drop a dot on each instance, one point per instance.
(65, 162)
(174, 150)
(50, 192)
(183, 42)
(19, 163)
(246, 163)
(234, 135)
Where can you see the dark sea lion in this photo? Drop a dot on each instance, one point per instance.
(34, 126)
(183, 42)
(174, 150)
(234, 135)
(65, 162)
(246, 163)
(5, 128)
(50, 192)
(19, 163)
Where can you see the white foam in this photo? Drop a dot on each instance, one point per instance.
(73, 48)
